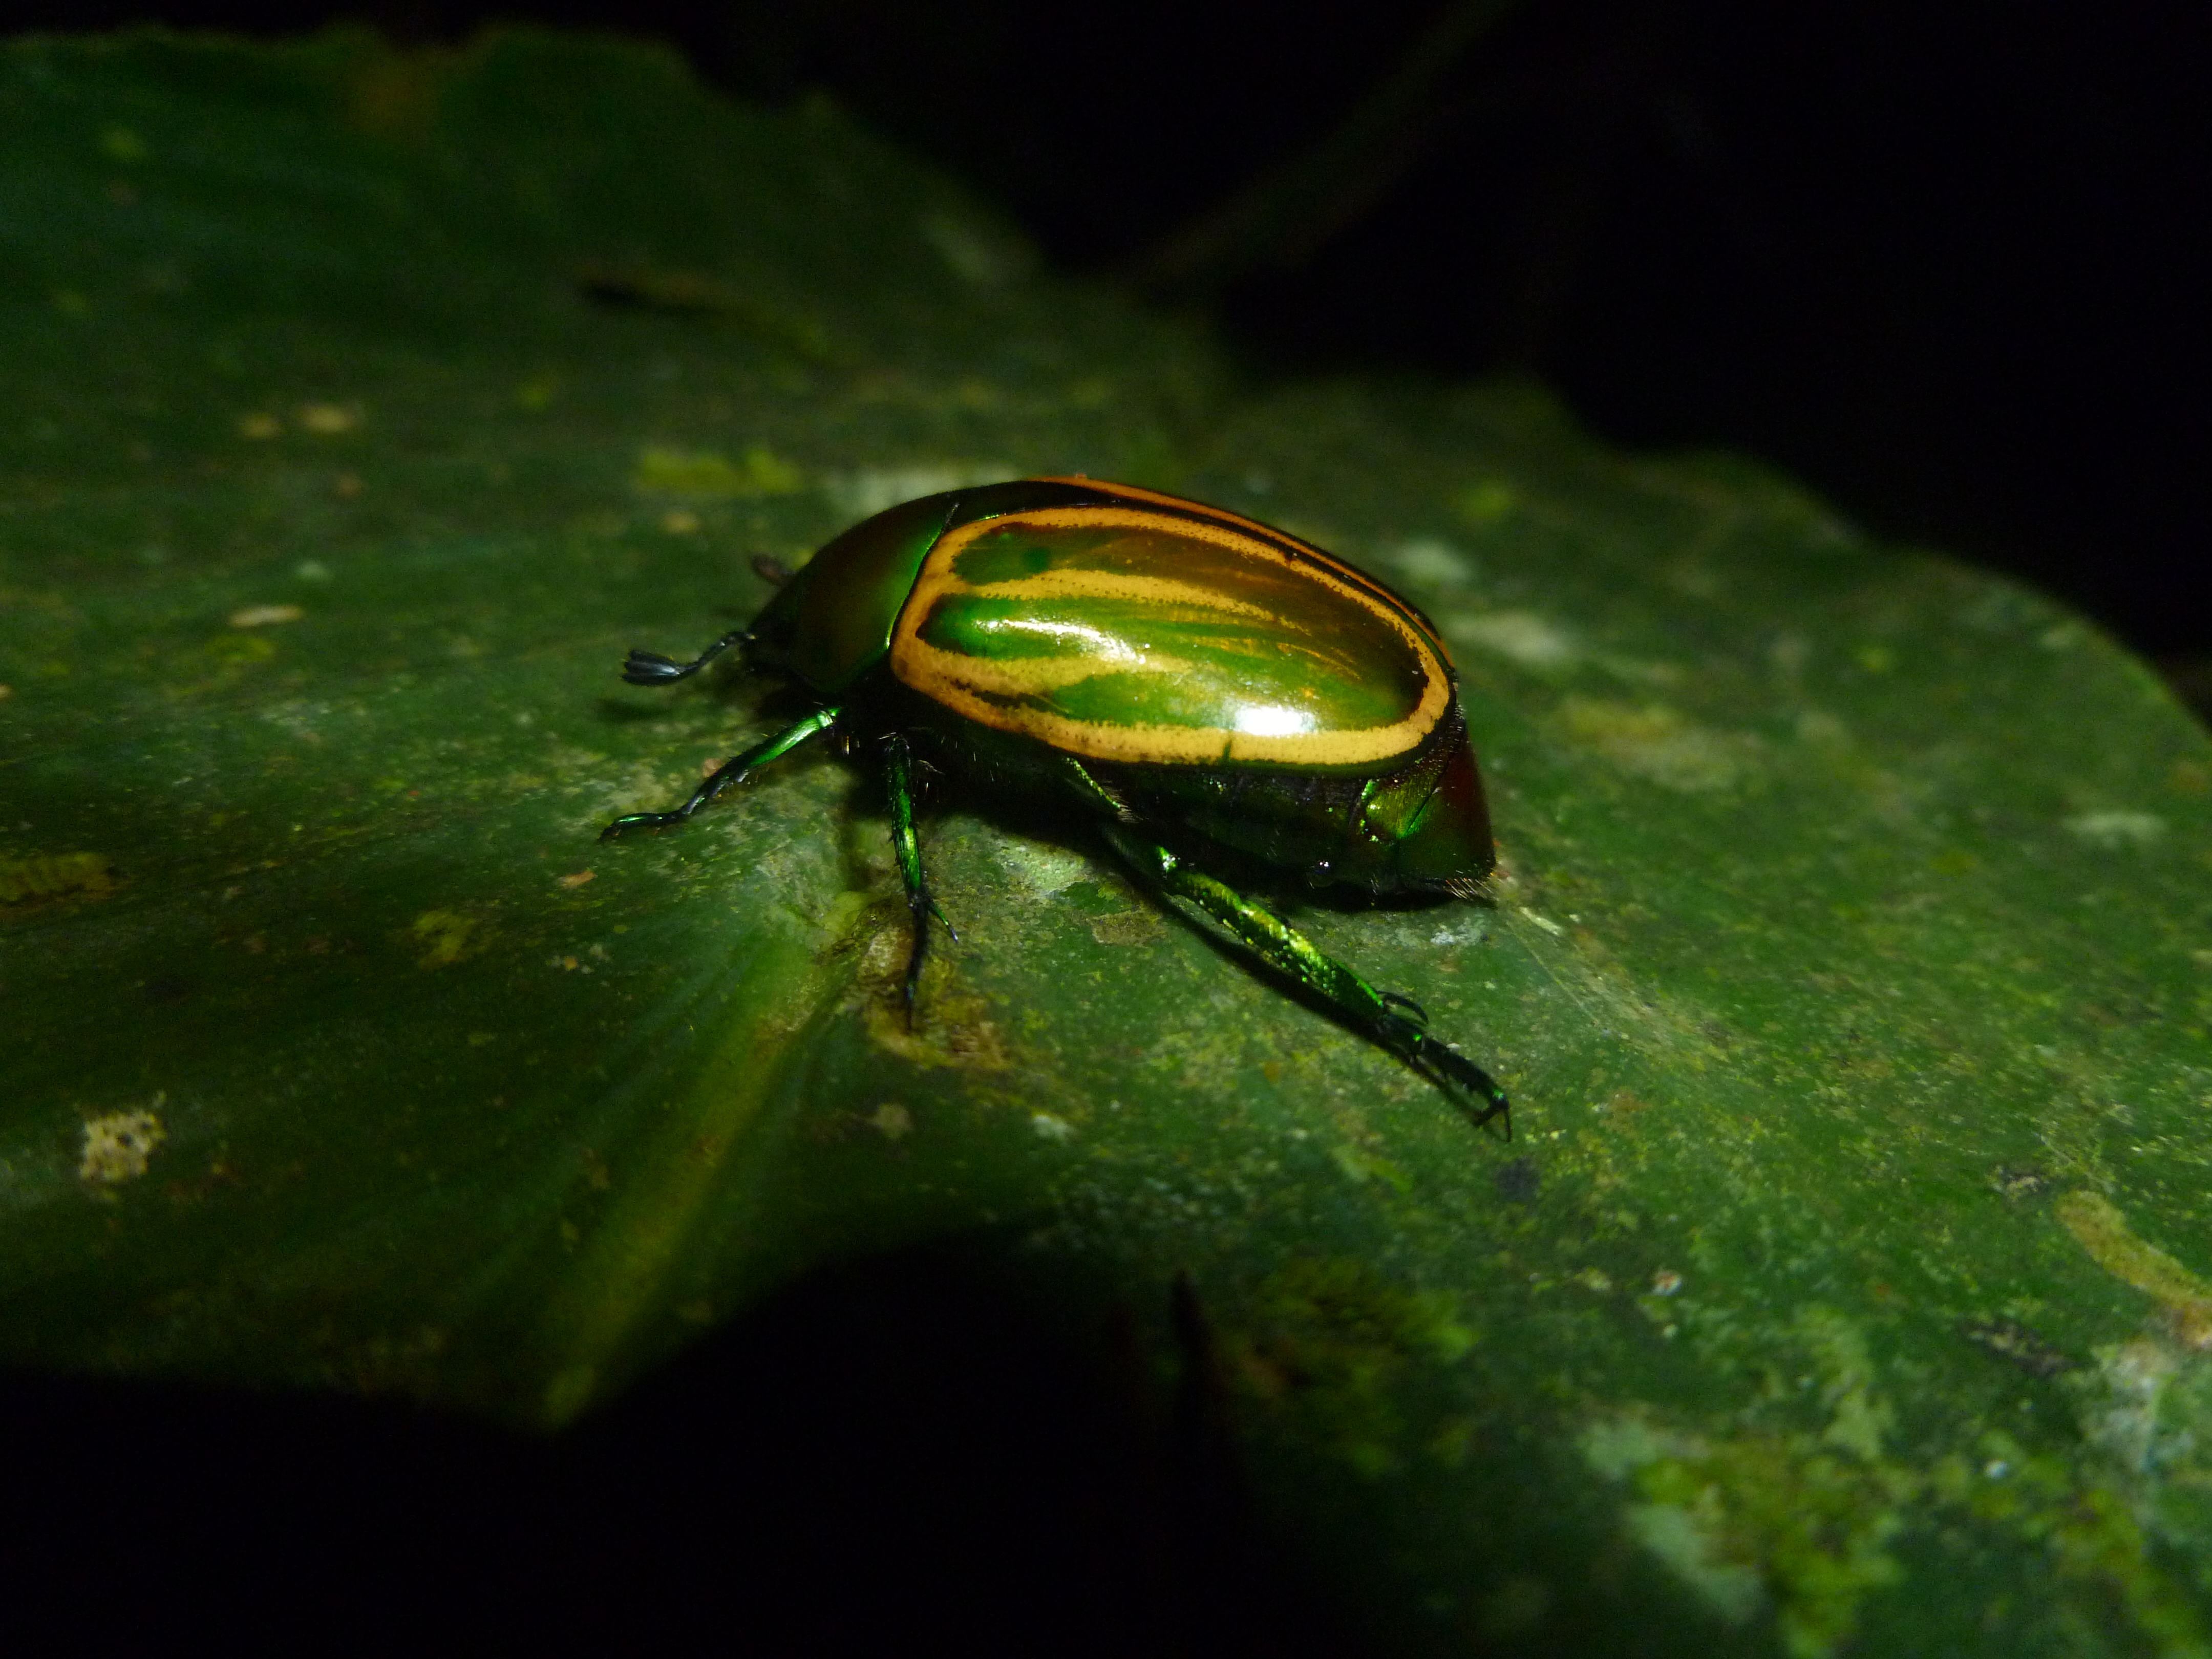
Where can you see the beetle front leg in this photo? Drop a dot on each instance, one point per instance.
(898, 784)
(1373, 1013)
(730, 772)
(651, 668)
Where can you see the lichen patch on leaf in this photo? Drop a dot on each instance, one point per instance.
(1760, 1519)
(2099, 1228)
(53, 875)
(447, 937)
(1800, 1521)
(116, 1146)
(1328, 1338)
(706, 473)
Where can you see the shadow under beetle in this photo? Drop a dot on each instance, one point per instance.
(1195, 680)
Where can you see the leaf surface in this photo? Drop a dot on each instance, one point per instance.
(1849, 1280)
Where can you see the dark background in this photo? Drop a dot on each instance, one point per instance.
(1948, 263)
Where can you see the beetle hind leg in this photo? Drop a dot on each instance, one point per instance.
(1376, 1014)
(906, 844)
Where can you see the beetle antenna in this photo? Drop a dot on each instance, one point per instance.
(773, 571)
(651, 668)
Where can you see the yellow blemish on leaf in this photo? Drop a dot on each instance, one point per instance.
(448, 937)
(2098, 1227)
(1128, 927)
(397, 92)
(680, 521)
(1360, 1167)
(121, 145)
(329, 420)
(263, 616)
(955, 1033)
(118, 1145)
(236, 650)
(259, 426)
(705, 472)
(48, 875)
(891, 1120)
(1488, 501)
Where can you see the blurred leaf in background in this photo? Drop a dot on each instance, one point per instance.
(1850, 1282)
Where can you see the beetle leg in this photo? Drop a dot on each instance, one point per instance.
(651, 668)
(731, 771)
(1091, 792)
(1407, 1003)
(898, 783)
(1373, 1013)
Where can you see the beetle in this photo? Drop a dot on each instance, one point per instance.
(1213, 691)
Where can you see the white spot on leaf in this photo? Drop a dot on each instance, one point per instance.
(1523, 635)
(1438, 563)
(2116, 830)
(863, 494)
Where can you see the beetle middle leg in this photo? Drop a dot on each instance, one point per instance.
(898, 784)
(1376, 1014)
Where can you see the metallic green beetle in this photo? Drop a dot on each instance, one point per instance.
(1211, 689)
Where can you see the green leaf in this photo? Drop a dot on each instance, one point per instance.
(1850, 1281)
